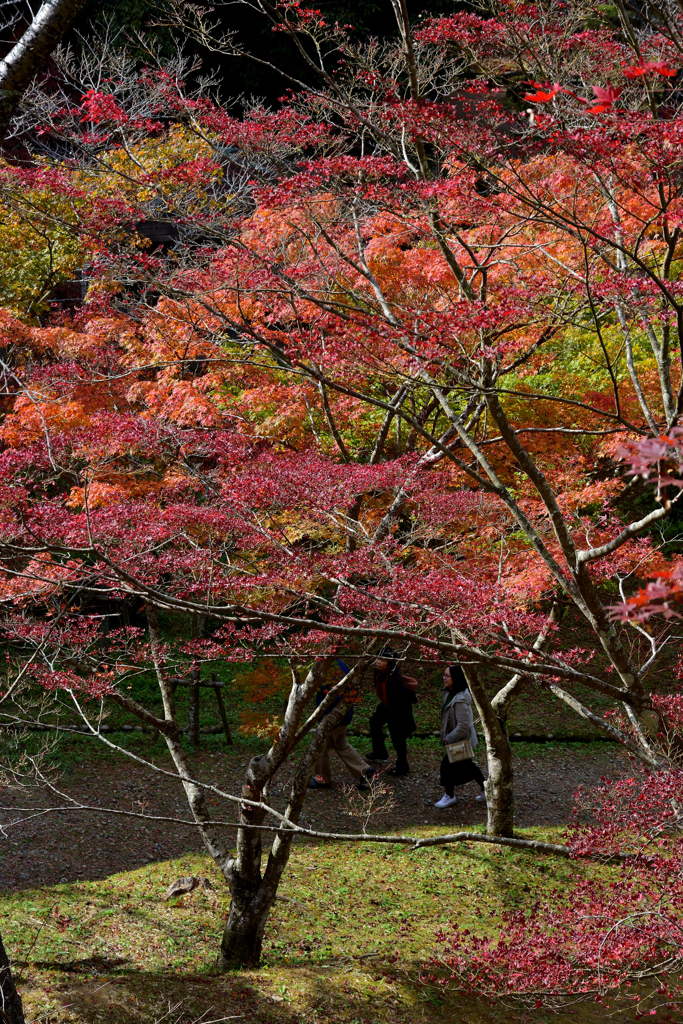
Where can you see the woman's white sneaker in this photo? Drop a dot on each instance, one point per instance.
(446, 801)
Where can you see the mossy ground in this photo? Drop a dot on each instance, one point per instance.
(348, 941)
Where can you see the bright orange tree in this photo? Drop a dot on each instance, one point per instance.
(378, 389)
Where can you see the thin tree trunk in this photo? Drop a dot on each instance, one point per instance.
(195, 796)
(500, 798)
(10, 1002)
(221, 711)
(500, 783)
(30, 54)
(193, 708)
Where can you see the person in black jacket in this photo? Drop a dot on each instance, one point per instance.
(396, 699)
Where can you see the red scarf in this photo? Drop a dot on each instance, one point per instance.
(381, 680)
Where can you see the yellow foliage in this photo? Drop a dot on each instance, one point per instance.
(39, 245)
(149, 172)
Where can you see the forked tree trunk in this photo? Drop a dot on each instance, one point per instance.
(249, 908)
(243, 936)
(253, 891)
(10, 1002)
(500, 783)
(253, 894)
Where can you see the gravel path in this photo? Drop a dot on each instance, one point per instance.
(48, 848)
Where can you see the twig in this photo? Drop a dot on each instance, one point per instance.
(414, 842)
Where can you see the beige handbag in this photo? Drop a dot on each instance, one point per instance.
(460, 751)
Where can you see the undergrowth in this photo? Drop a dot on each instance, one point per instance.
(348, 942)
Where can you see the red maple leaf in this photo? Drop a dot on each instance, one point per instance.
(657, 67)
(544, 97)
(606, 98)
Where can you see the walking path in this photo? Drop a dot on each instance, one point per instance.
(48, 849)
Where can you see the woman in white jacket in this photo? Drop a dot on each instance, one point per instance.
(457, 724)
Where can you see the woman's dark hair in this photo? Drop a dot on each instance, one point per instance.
(458, 677)
(389, 655)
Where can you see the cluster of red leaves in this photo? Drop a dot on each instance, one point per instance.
(660, 460)
(606, 97)
(661, 596)
(602, 936)
(602, 51)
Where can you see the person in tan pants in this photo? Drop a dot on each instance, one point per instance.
(339, 743)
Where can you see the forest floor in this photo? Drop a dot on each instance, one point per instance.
(350, 942)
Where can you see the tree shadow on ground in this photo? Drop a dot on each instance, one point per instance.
(334, 993)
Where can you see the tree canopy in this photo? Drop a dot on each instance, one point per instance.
(386, 364)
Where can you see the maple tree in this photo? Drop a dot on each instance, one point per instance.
(376, 390)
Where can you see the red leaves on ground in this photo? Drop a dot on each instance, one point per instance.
(599, 936)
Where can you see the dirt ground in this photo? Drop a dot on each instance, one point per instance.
(40, 847)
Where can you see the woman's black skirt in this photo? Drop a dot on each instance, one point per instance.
(458, 773)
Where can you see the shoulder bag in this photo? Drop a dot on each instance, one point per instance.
(460, 751)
